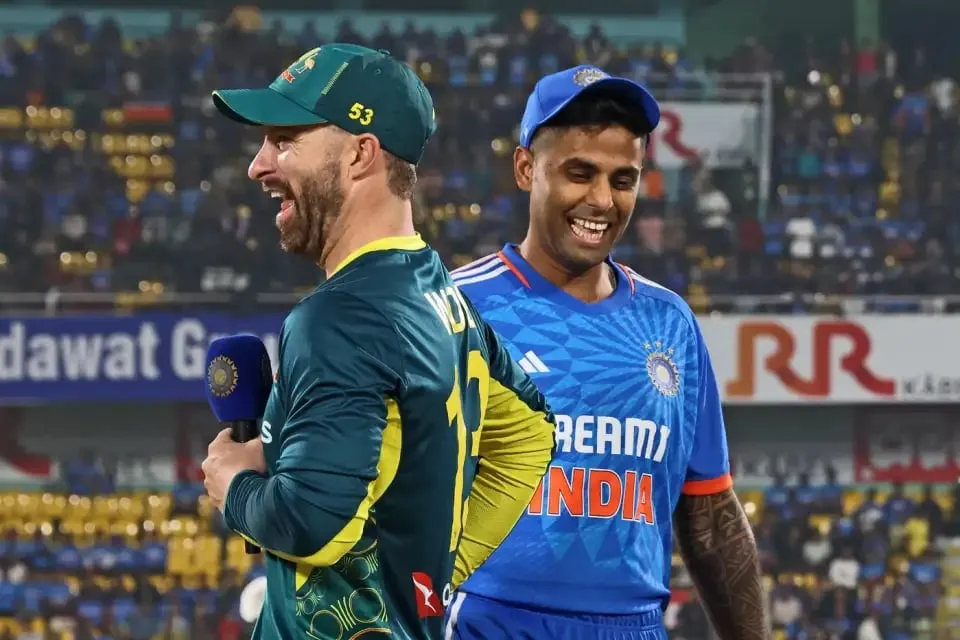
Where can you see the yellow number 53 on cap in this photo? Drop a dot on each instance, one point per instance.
(361, 114)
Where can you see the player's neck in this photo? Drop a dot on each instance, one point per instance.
(593, 285)
(388, 218)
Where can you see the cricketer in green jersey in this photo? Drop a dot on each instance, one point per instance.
(400, 443)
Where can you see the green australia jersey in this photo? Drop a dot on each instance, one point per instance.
(402, 445)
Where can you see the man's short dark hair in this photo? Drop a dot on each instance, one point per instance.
(598, 110)
(401, 177)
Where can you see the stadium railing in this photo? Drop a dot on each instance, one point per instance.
(54, 303)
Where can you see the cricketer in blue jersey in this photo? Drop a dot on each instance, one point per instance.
(641, 444)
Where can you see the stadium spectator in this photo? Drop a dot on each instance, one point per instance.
(817, 550)
(844, 571)
(786, 607)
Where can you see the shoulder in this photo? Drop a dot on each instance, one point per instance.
(672, 302)
(480, 270)
(331, 307)
(484, 277)
(331, 317)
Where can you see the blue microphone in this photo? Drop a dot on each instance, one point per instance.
(239, 379)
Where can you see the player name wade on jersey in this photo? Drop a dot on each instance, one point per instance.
(451, 309)
(602, 493)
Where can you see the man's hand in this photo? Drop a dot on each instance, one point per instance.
(225, 459)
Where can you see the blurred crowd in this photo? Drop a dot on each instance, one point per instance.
(117, 176)
(91, 559)
(88, 562)
(842, 563)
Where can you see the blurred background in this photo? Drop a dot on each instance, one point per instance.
(802, 193)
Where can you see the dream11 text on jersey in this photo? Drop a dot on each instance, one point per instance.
(602, 493)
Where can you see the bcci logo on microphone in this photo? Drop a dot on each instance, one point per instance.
(222, 376)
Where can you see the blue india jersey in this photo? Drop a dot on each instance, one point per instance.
(638, 423)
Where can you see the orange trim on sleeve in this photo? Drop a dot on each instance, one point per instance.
(626, 272)
(514, 269)
(707, 487)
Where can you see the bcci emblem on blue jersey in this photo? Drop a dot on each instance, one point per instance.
(662, 370)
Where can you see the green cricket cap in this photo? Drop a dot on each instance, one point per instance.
(355, 88)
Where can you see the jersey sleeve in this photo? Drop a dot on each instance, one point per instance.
(339, 365)
(709, 468)
(516, 445)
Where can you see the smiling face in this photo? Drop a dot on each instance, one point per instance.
(583, 184)
(301, 167)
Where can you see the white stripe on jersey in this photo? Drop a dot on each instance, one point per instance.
(477, 266)
(531, 363)
(460, 281)
(639, 278)
(453, 612)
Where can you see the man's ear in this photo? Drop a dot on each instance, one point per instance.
(523, 168)
(363, 154)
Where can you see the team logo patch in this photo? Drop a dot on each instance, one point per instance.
(662, 370)
(428, 603)
(222, 376)
(586, 77)
(302, 64)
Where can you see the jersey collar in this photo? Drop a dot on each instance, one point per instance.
(542, 287)
(400, 243)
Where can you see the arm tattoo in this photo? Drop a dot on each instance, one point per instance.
(718, 547)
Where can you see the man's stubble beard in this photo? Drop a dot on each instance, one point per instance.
(317, 208)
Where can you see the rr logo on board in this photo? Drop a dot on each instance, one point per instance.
(779, 364)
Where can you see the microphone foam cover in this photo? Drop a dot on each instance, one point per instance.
(239, 377)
